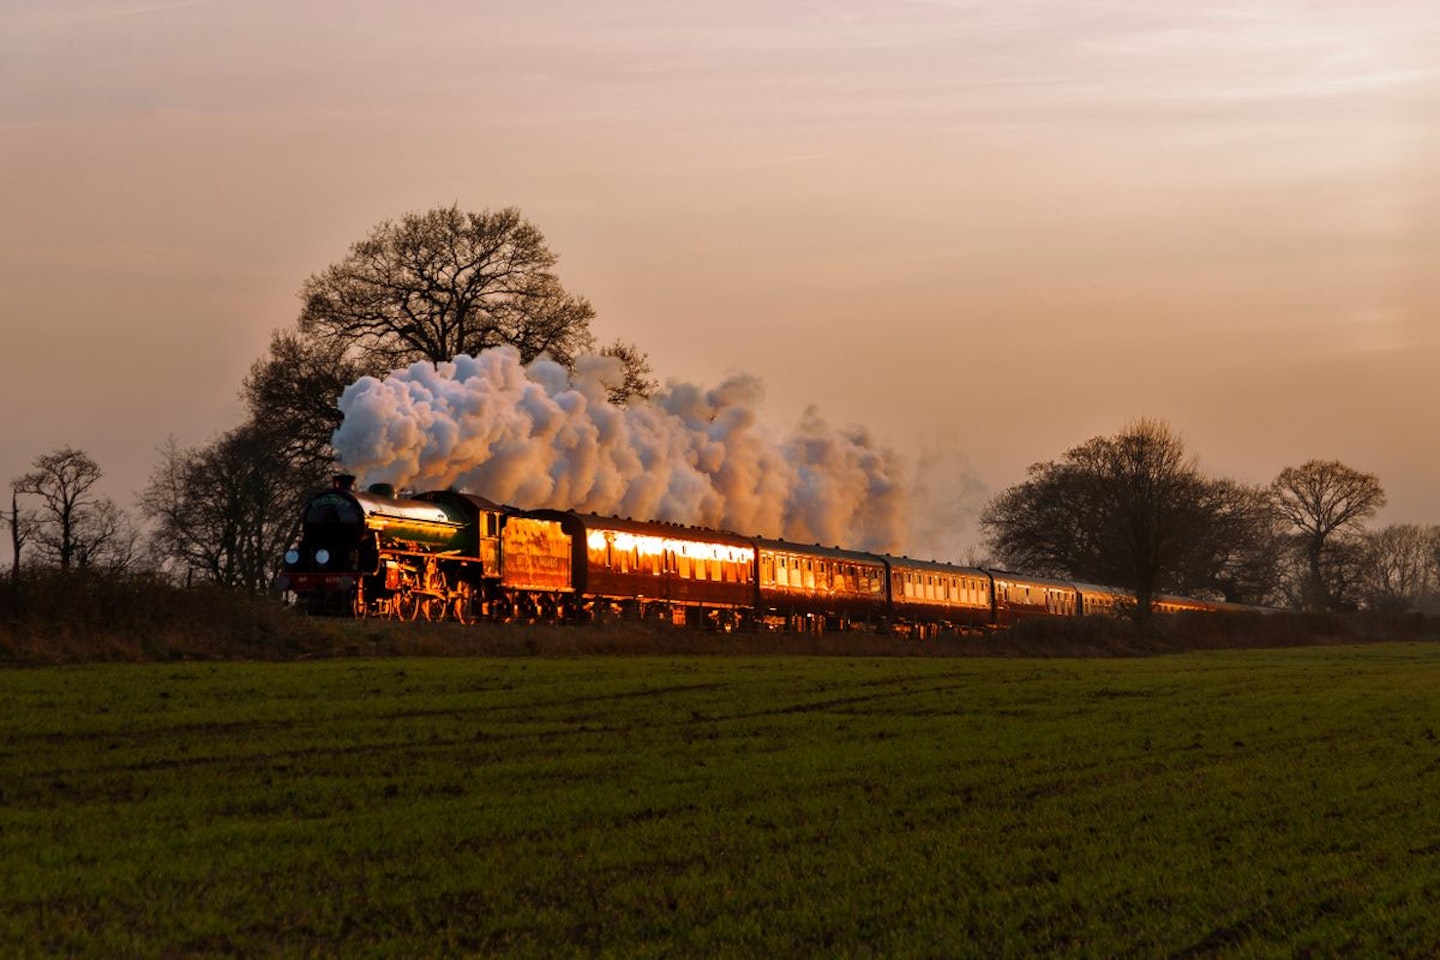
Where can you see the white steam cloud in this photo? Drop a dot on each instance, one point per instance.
(539, 436)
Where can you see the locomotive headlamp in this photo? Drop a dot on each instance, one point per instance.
(292, 557)
(322, 556)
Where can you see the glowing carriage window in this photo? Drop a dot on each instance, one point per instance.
(688, 559)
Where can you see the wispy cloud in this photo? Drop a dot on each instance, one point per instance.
(49, 15)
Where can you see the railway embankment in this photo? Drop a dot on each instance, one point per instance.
(86, 618)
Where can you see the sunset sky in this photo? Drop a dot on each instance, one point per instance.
(985, 231)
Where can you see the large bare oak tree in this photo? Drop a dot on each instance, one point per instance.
(1327, 503)
(444, 282)
(425, 288)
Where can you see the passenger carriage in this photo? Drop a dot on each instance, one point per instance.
(926, 597)
(1019, 597)
(817, 588)
(623, 567)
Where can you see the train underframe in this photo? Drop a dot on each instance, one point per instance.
(418, 586)
(415, 586)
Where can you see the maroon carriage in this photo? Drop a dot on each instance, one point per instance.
(926, 597)
(817, 588)
(666, 571)
(1018, 597)
(1096, 600)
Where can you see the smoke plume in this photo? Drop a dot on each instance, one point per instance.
(540, 436)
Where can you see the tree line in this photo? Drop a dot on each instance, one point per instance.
(1135, 510)
(1131, 510)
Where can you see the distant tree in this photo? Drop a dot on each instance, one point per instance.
(1342, 572)
(22, 524)
(1430, 602)
(109, 539)
(225, 512)
(1127, 510)
(1045, 525)
(1326, 504)
(69, 524)
(1238, 553)
(1399, 567)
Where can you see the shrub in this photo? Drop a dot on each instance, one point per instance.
(60, 617)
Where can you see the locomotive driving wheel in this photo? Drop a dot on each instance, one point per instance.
(433, 605)
(406, 605)
(461, 607)
(433, 608)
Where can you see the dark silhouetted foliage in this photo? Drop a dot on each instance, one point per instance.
(1327, 504)
(1134, 511)
(56, 510)
(224, 512)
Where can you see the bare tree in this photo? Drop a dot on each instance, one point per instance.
(1399, 567)
(446, 282)
(293, 394)
(71, 525)
(1129, 510)
(425, 289)
(22, 525)
(224, 512)
(1238, 553)
(1326, 503)
(1430, 601)
(636, 378)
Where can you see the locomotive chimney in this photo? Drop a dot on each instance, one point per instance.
(344, 481)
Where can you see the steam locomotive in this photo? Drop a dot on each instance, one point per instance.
(445, 554)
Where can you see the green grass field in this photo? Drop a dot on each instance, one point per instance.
(1234, 803)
